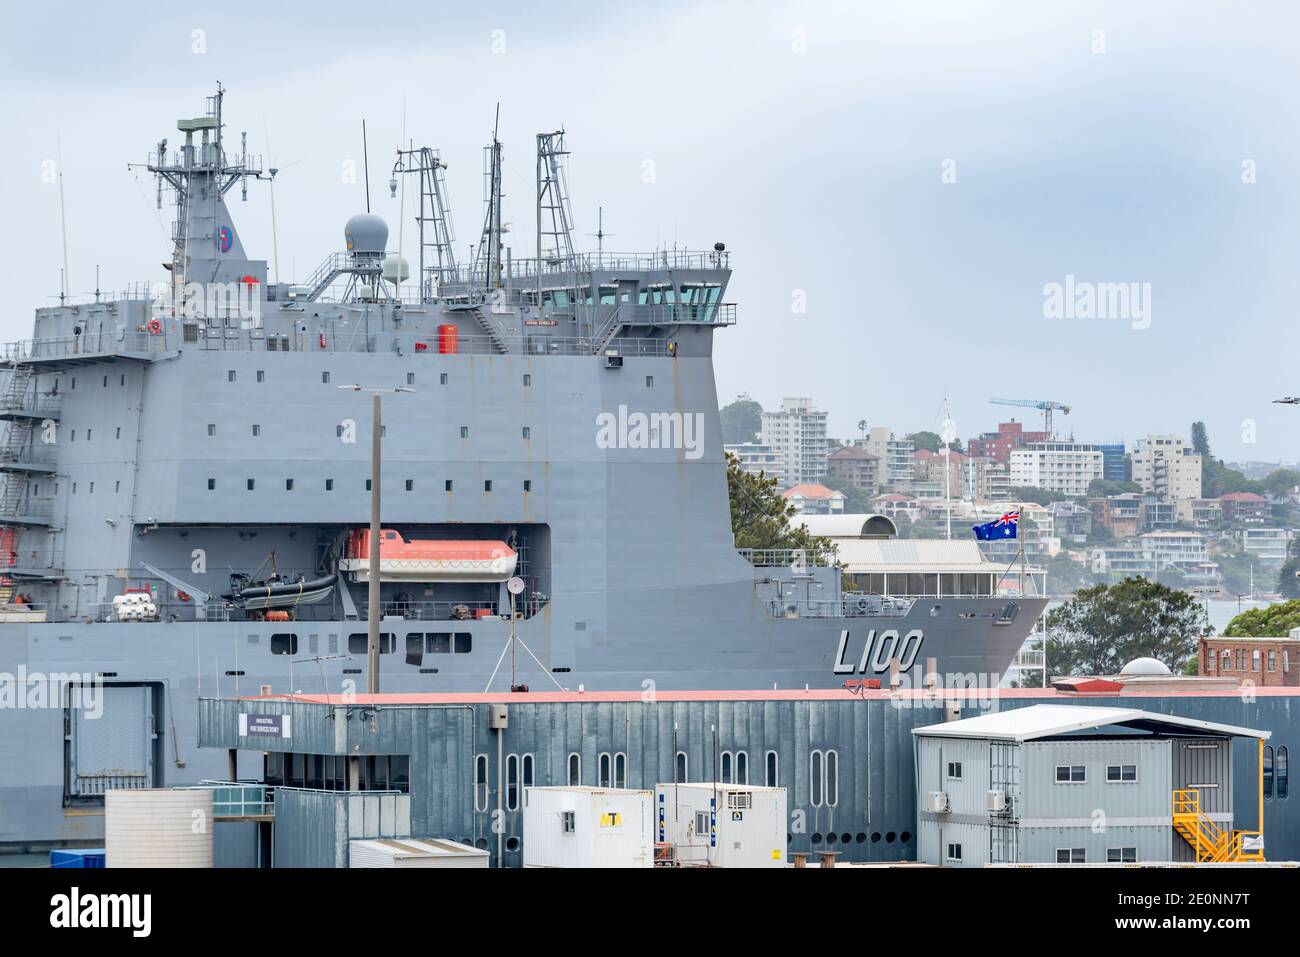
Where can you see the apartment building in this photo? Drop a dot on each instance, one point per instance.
(1065, 467)
(1167, 467)
(797, 433)
(856, 466)
(1267, 545)
(896, 454)
(759, 459)
(1000, 444)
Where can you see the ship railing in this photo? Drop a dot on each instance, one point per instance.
(789, 557)
(429, 610)
(849, 606)
(29, 455)
(90, 344)
(422, 344)
(580, 263)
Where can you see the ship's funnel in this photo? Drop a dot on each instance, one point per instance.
(366, 235)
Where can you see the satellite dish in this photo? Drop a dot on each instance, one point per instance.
(515, 586)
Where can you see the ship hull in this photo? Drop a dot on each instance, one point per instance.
(691, 650)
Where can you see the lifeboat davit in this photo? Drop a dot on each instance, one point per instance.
(429, 560)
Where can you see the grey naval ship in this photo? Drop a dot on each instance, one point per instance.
(186, 494)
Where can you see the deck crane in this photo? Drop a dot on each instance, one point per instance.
(1046, 406)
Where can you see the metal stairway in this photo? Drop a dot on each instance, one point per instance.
(490, 326)
(1212, 844)
(612, 325)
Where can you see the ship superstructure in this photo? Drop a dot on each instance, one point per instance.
(186, 489)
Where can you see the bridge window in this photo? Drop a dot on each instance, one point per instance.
(359, 643)
(464, 642)
(284, 644)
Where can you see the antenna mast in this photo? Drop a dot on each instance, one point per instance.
(437, 260)
(489, 245)
(554, 218)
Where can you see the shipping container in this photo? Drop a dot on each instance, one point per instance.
(588, 827)
(721, 825)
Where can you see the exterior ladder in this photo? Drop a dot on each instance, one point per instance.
(1212, 843)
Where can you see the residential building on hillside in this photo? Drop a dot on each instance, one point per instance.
(1166, 467)
(1114, 462)
(999, 445)
(928, 466)
(1120, 514)
(896, 505)
(1201, 512)
(797, 433)
(1245, 508)
(758, 459)
(895, 453)
(811, 499)
(856, 466)
(1268, 545)
(1071, 522)
(1065, 467)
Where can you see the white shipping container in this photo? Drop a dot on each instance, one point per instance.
(588, 827)
(722, 825)
(414, 852)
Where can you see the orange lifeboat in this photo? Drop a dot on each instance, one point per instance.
(429, 560)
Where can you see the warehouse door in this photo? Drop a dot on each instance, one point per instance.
(111, 739)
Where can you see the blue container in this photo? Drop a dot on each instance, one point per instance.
(78, 857)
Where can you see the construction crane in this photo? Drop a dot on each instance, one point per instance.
(1046, 406)
(1288, 400)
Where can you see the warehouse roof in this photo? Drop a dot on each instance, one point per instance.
(1052, 720)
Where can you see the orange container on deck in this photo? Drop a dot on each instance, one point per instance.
(448, 339)
(482, 612)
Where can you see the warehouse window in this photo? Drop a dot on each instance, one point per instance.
(604, 770)
(1268, 771)
(954, 853)
(1071, 774)
(742, 767)
(725, 775)
(816, 779)
(528, 763)
(1125, 773)
(1272, 661)
(620, 770)
(832, 778)
(481, 782)
(1071, 855)
(575, 770)
(512, 782)
(1281, 772)
(771, 770)
(679, 773)
(1121, 855)
(954, 770)
(701, 823)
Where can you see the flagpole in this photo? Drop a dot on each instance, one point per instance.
(1020, 539)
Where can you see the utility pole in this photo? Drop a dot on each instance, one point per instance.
(373, 610)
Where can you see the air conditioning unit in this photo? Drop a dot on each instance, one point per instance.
(936, 802)
(997, 801)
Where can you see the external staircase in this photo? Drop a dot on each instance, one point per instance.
(1213, 844)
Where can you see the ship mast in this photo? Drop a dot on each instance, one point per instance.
(489, 245)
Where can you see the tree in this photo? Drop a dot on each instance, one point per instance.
(760, 517)
(930, 441)
(1288, 576)
(1100, 488)
(1275, 621)
(1035, 495)
(741, 420)
(1281, 482)
(1216, 478)
(1104, 627)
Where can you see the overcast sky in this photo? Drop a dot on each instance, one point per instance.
(1104, 141)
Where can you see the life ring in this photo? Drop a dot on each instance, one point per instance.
(154, 327)
(183, 596)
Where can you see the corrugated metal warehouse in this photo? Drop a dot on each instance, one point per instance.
(845, 757)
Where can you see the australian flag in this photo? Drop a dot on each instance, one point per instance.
(1004, 527)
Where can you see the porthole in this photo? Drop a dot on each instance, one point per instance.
(875, 837)
(889, 837)
(512, 844)
(817, 837)
(905, 836)
(862, 837)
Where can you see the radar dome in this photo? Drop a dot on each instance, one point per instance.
(1145, 666)
(396, 268)
(366, 234)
